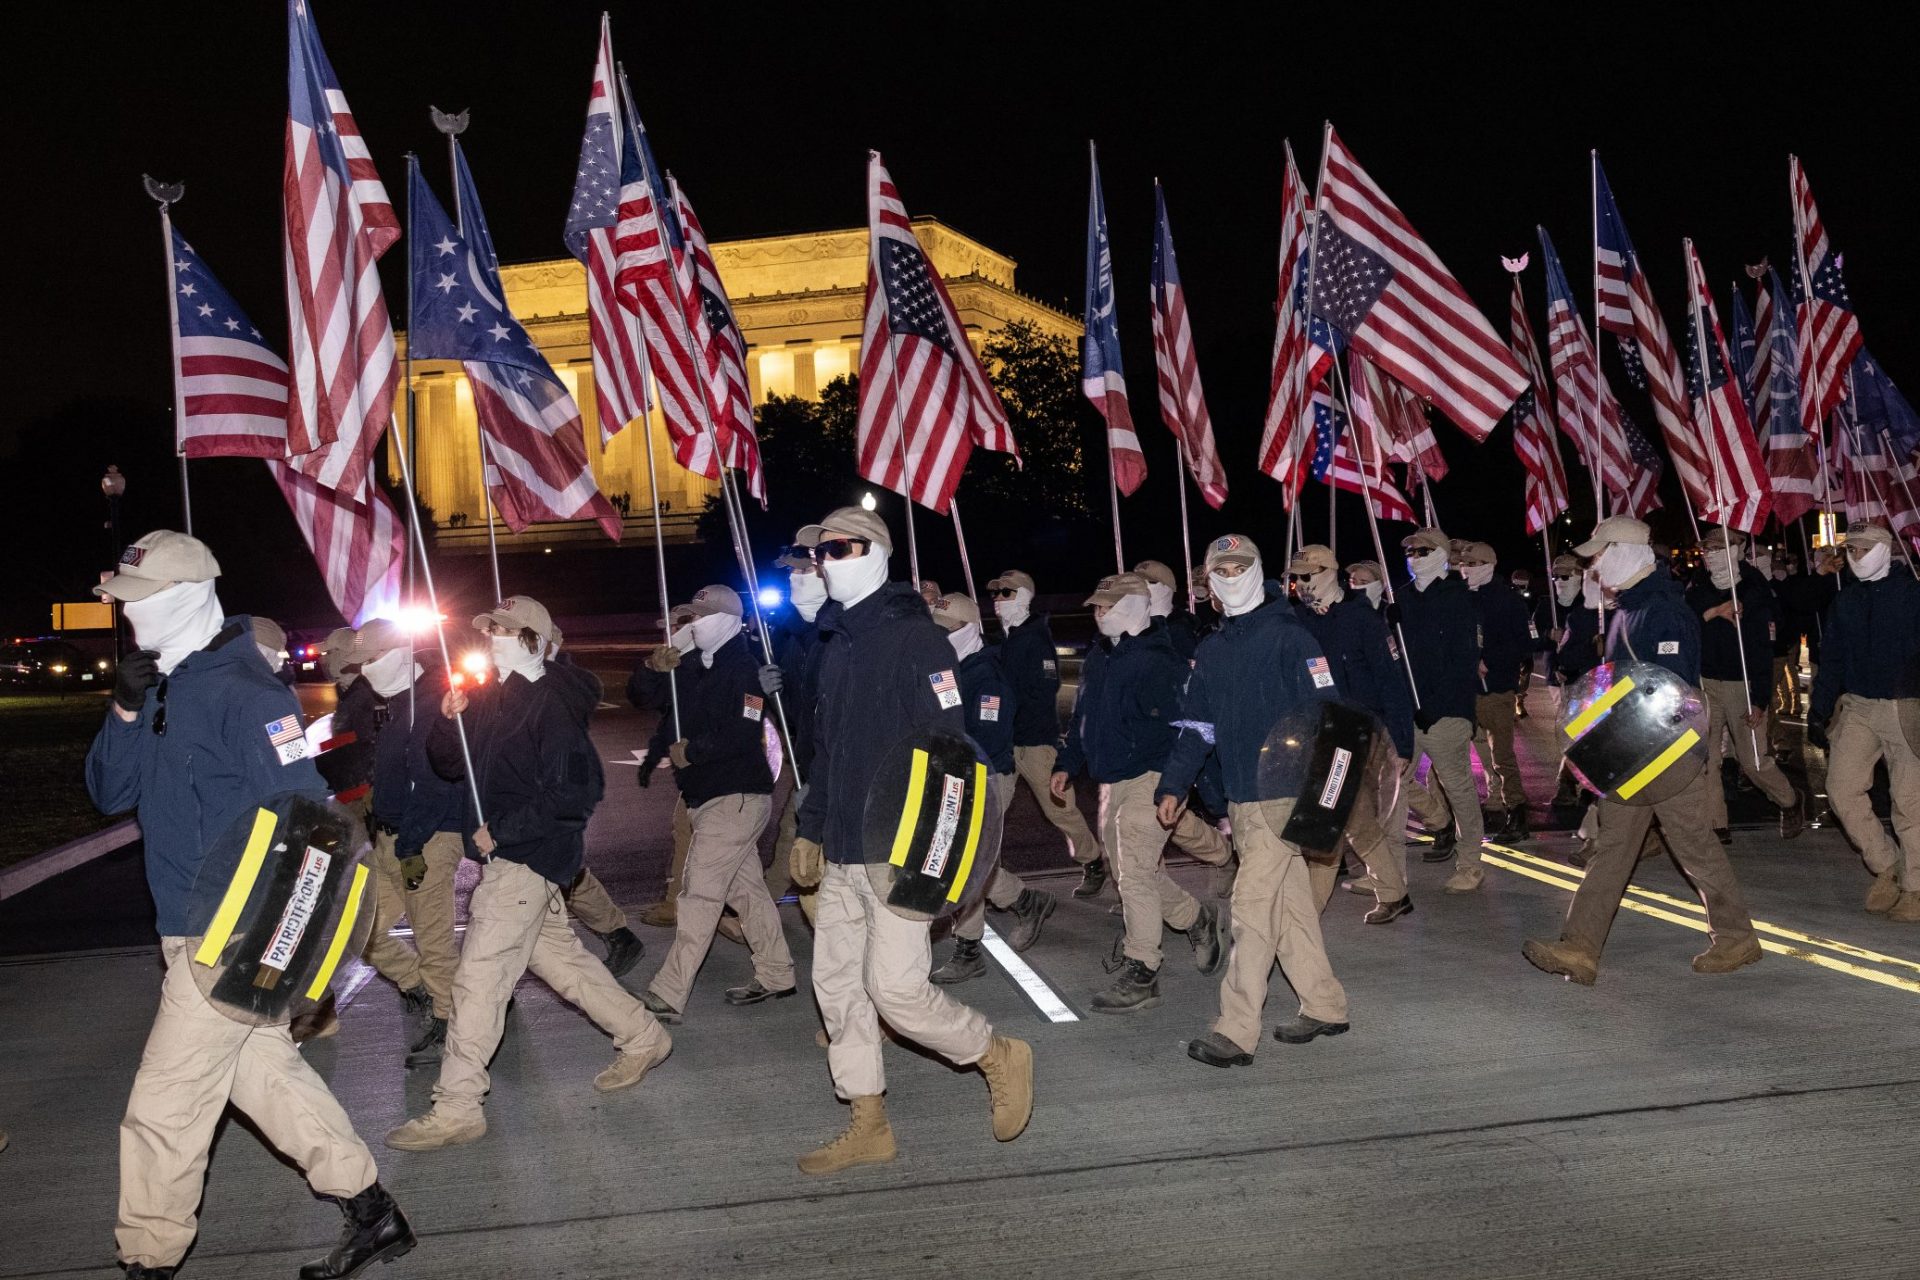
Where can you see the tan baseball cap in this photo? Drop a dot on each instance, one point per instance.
(159, 560)
(1568, 564)
(1719, 538)
(1117, 587)
(1861, 533)
(715, 599)
(1616, 529)
(789, 560)
(955, 612)
(517, 612)
(1367, 566)
(336, 653)
(269, 634)
(1313, 558)
(1431, 539)
(380, 636)
(855, 522)
(1477, 553)
(1155, 572)
(1232, 548)
(1012, 580)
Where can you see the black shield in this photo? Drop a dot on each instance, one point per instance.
(927, 837)
(1634, 732)
(1327, 758)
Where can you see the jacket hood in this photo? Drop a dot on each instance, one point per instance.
(220, 652)
(1657, 583)
(890, 602)
(576, 688)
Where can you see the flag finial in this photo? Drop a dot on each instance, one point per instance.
(165, 192)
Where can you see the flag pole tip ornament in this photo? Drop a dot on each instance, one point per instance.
(165, 192)
(453, 124)
(282, 903)
(1758, 271)
(1515, 265)
(1334, 760)
(1634, 732)
(928, 841)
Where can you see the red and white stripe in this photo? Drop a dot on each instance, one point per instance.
(1873, 488)
(1286, 439)
(536, 450)
(359, 546)
(1533, 438)
(234, 395)
(922, 411)
(613, 321)
(1360, 454)
(1742, 498)
(1403, 423)
(1424, 330)
(1600, 440)
(1793, 462)
(725, 348)
(1829, 335)
(1183, 404)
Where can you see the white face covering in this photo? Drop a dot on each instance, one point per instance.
(1240, 595)
(1763, 561)
(1427, 567)
(275, 658)
(1476, 575)
(1159, 600)
(1567, 592)
(1015, 611)
(1871, 565)
(1127, 618)
(391, 672)
(808, 591)
(1621, 563)
(1321, 591)
(711, 630)
(1590, 590)
(1719, 572)
(510, 656)
(1374, 591)
(965, 639)
(851, 581)
(175, 621)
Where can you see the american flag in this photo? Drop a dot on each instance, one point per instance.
(1377, 282)
(1401, 422)
(1354, 460)
(1829, 331)
(338, 223)
(920, 381)
(536, 453)
(1745, 348)
(1301, 357)
(233, 388)
(613, 321)
(1627, 310)
(717, 333)
(1643, 492)
(1183, 405)
(1103, 379)
(1589, 415)
(1793, 459)
(1533, 438)
(1875, 437)
(1742, 497)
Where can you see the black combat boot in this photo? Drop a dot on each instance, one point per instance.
(1029, 911)
(429, 1044)
(967, 961)
(135, 1271)
(624, 950)
(1445, 841)
(1208, 934)
(1093, 878)
(416, 1001)
(1136, 989)
(376, 1231)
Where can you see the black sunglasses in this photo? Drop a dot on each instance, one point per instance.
(1005, 593)
(1301, 577)
(842, 548)
(798, 552)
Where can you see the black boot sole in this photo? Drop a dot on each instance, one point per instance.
(1151, 1002)
(761, 998)
(1330, 1029)
(397, 1250)
(1394, 910)
(1200, 1053)
(937, 980)
(1040, 918)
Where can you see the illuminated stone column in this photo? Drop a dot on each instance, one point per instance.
(803, 385)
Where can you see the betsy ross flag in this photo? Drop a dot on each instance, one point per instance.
(535, 454)
(925, 401)
(1589, 415)
(1351, 455)
(235, 397)
(1533, 438)
(1303, 348)
(1793, 460)
(1742, 498)
(1627, 310)
(613, 321)
(1829, 332)
(717, 333)
(1102, 378)
(1183, 405)
(1876, 437)
(1745, 346)
(1377, 282)
(338, 223)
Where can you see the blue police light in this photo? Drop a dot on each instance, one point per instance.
(770, 597)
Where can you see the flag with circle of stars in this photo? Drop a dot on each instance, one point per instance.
(459, 308)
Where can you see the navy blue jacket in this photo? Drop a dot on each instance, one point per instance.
(1651, 622)
(1720, 641)
(797, 645)
(1253, 670)
(1804, 600)
(1507, 639)
(214, 762)
(722, 716)
(358, 715)
(1032, 667)
(992, 707)
(1441, 629)
(1579, 650)
(1122, 723)
(1353, 635)
(539, 775)
(408, 795)
(878, 670)
(1872, 642)
(1180, 629)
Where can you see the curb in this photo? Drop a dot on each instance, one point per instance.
(22, 876)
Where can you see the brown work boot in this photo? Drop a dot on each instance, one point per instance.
(1885, 892)
(1563, 958)
(1466, 878)
(867, 1140)
(630, 1069)
(660, 915)
(1907, 910)
(1793, 818)
(1008, 1068)
(317, 1023)
(1724, 957)
(438, 1129)
(729, 928)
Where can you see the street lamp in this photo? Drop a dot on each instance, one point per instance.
(868, 501)
(113, 485)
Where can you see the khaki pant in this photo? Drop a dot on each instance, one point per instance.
(1617, 844)
(1786, 683)
(1493, 738)
(780, 871)
(196, 1062)
(1382, 844)
(1865, 730)
(1035, 767)
(869, 964)
(1275, 917)
(434, 955)
(1005, 888)
(1448, 799)
(592, 905)
(1134, 840)
(516, 921)
(1726, 717)
(723, 870)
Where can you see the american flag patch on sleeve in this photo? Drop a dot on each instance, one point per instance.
(1322, 674)
(990, 706)
(753, 707)
(288, 738)
(945, 688)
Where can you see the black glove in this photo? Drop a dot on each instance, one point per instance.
(772, 680)
(1817, 732)
(1391, 610)
(139, 672)
(413, 870)
(1424, 719)
(646, 770)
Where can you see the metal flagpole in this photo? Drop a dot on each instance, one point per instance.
(966, 565)
(1553, 602)
(1593, 193)
(906, 479)
(1433, 508)
(645, 428)
(1379, 549)
(1113, 491)
(1333, 502)
(1819, 426)
(166, 193)
(1186, 533)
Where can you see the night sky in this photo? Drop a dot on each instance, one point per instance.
(1477, 124)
